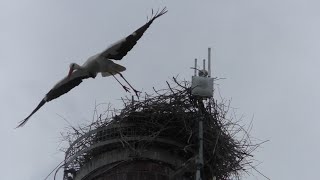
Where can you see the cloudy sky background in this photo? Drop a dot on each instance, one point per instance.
(266, 50)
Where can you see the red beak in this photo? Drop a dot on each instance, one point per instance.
(70, 72)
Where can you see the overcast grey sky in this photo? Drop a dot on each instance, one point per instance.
(266, 50)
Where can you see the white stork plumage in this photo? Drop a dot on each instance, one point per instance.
(99, 63)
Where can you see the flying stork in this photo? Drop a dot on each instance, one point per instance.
(99, 63)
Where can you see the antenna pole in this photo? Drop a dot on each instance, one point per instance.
(202, 88)
(195, 67)
(209, 62)
(204, 64)
(199, 172)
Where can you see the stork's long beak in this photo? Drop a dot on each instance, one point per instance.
(70, 72)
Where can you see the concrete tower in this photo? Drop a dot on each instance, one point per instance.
(123, 150)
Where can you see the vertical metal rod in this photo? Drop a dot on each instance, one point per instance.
(201, 144)
(200, 153)
(204, 64)
(132, 100)
(209, 62)
(198, 176)
(195, 67)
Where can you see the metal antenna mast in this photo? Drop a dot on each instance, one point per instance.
(202, 87)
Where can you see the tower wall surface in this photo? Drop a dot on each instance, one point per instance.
(123, 152)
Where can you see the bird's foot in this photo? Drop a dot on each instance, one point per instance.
(126, 88)
(137, 93)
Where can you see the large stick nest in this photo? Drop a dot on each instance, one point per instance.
(174, 113)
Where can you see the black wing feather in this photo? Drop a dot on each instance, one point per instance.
(64, 88)
(23, 122)
(55, 93)
(131, 40)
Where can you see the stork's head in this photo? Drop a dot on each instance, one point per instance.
(72, 66)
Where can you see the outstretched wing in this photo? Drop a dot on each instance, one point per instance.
(62, 87)
(66, 84)
(119, 49)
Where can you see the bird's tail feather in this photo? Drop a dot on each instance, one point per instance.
(105, 74)
(116, 68)
(23, 122)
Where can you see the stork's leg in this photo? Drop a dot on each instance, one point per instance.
(124, 87)
(135, 91)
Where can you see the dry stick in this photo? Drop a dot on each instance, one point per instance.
(55, 174)
(169, 87)
(259, 171)
(58, 166)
